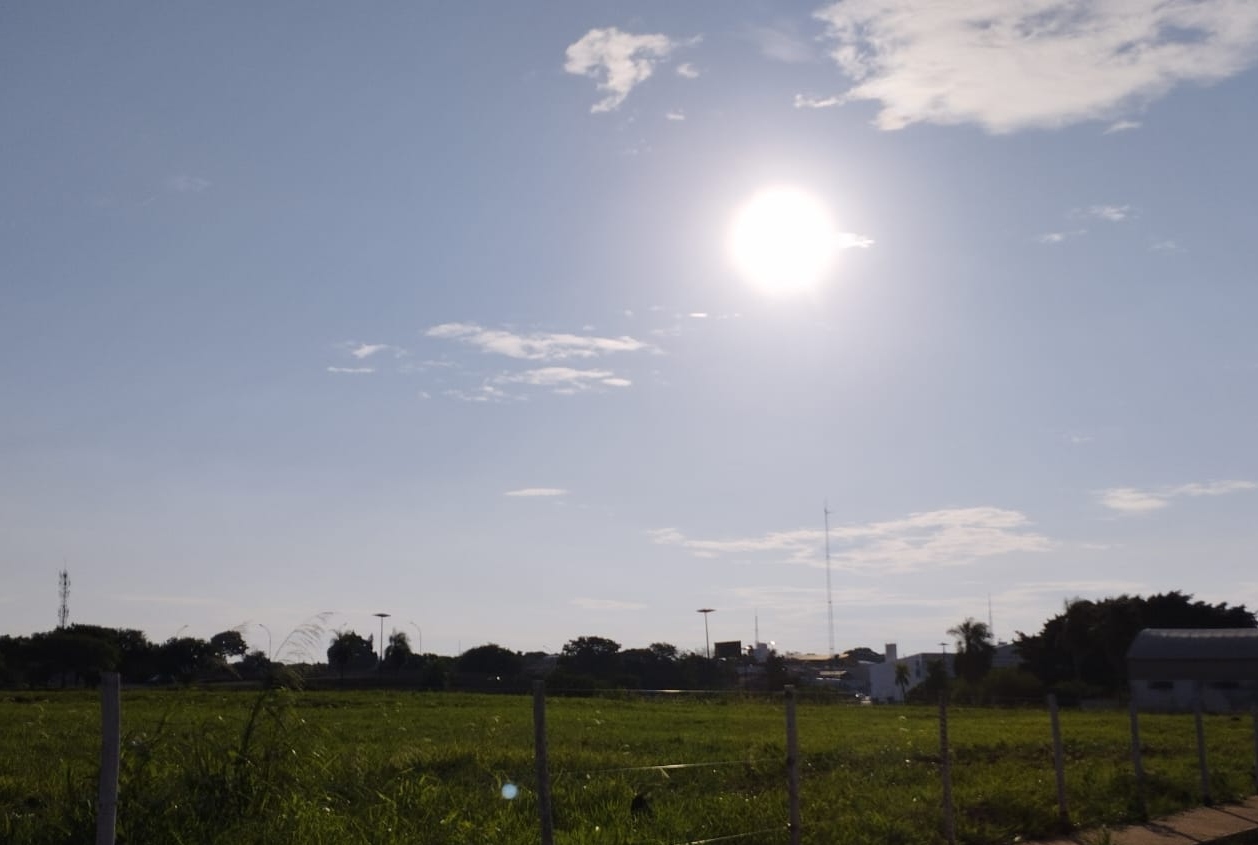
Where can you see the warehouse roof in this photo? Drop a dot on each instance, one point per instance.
(1206, 654)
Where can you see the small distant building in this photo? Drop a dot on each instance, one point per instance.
(1168, 668)
(882, 675)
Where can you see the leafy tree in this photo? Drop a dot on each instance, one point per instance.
(902, 678)
(398, 652)
(348, 649)
(1086, 645)
(490, 659)
(185, 657)
(228, 644)
(975, 649)
(72, 655)
(594, 656)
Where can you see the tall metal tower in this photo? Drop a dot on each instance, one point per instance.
(829, 594)
(63, 611)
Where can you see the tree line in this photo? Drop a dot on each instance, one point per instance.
(1080, 652)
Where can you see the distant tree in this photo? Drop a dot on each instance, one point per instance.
(653, 667)
(490, 660)
(398, 652)
(349, 649)
(185, 658)
(902, 678)
(933, 685)
(72, 656)
(228, 644)
(975, 649)
(1086, 644)
(594, 656)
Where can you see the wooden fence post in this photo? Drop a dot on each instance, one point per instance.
(1136, 762)
(792, 765)
(945, 770)
(1201, 748)
(1254, 714)
(542, 763)
(110, 757)
(1059, 764)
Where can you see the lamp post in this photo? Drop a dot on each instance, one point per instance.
(707, 648)
(268, 639)
(419, 645)
(383, 616)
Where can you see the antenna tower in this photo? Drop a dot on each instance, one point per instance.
(63, 611)
(829, 594)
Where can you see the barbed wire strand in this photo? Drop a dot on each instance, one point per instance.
(661, 767)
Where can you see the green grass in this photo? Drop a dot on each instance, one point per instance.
(397, 767)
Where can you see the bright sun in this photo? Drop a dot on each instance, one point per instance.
(783, 240)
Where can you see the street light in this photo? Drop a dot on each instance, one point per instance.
(419, 646)
(707, 648)
(268, 639)
(383, 616)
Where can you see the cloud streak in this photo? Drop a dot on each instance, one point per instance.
(1031, 64)
(1132, 500)
(536, 492)
(919, 541)
(537, 346)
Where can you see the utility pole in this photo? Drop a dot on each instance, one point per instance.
(707, 649)
(63, 611)
(829, 594)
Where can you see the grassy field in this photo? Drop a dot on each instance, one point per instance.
(397, 767)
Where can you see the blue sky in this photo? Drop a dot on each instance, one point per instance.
(430, 309)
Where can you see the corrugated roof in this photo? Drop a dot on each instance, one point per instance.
(1195, 644)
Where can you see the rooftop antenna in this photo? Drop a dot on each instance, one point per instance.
(991, 629)
(829, 594)
(63, 611)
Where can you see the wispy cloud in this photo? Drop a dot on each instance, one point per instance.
(536, 492)
(782, 43)
(1109, 213)
(619, 61)
(607, 604)
(352, 370)
(186, 184)
(366, 350)
(950, 537)
(687, 71)
(563, 379)
(190, 601)
(676, 114)
(1053, 238)
(1122, 126)
(1037, 63)
(1132, 500)
(537, 346)
(808, 101)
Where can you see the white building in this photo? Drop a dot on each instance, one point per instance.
(882, 675)
(1170, 668)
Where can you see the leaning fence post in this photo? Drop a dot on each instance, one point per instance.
(110, 754)
(945, 769)
(1136, 762)
(792, 765)
(1201, 748)
(1059, 765)
(541, 763)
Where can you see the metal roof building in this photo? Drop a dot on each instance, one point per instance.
(1170, 667)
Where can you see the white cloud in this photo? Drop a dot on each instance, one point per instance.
(536, 492)
(563, 379)
(366, 350)
(807, 101)
(620, 61)
(1131, 500)
(1034, 63)
(185, 184)
(352, 370)
(539, 346)
(1166, 246)
(1110, 213)
(687, 71)
(949, 537)
(677, 114)
(851, 240)
(607, 604)
(1122, 126)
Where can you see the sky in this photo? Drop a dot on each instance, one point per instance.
(525, 322)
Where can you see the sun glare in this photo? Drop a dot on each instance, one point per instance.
(783, 240)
